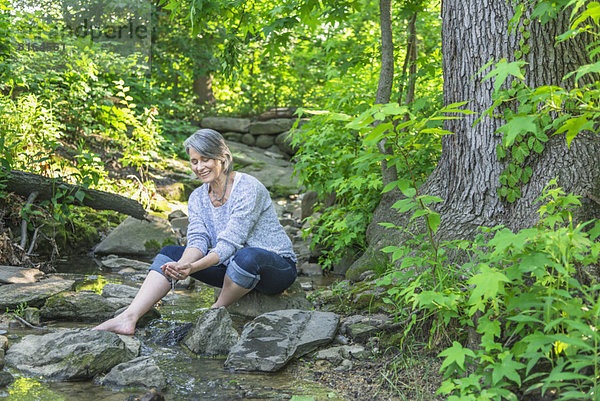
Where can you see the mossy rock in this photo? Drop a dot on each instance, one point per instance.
(189, 186)
(371, 260)
(174, 192)
(80, 233)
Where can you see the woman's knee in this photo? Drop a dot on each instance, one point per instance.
(246, 258)
(172, 251)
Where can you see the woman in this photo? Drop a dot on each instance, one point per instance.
(234, 238)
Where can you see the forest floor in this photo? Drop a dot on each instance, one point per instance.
(391, 376)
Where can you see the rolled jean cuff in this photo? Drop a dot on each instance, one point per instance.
(160, 260)
(241, 277)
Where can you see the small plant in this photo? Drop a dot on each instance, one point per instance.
(19, 310)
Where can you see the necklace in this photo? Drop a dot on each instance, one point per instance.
(220, 200)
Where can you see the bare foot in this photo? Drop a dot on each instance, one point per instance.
(119, 324)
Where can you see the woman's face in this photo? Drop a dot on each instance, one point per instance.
(208, 170)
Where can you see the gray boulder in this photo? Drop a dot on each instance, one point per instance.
(181, 224)
(137, 237)
(233, 136)
(112, 290)
(116, 263)
(278, 112)
(34, 294)
(82, 306)
(213, 334)
(248, 139)
(264, 141)
(274, 126)
(273, 173)
(225, 124)
(16, 275)
(5, 379)
(141, 372)
(256, 303)
(272, 339)
(311, 269)
(68, 355)
(284, 142)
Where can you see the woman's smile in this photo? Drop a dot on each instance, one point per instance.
(208, 170)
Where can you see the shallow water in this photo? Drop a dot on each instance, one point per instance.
(189, 377)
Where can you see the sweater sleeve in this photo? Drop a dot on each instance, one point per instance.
(245, 213)
(197, 236)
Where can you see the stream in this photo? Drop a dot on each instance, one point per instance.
(188, 376)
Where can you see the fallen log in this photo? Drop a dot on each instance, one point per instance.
(24, 183)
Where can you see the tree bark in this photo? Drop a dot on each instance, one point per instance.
(23, 183)
(386, 80)
(203, 89)
(467, 174)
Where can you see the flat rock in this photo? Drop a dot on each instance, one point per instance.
(113, 290)
(256, 303)
(117, 263)
(274, 126)
(137, 237)
(337, 354)
(222, 336)
(82, 306)
(19, 275)
(226, 124)
(34, 294)
(141, 372)
(68, 355)
(272, 339)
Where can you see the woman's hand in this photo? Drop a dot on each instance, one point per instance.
(177, 270)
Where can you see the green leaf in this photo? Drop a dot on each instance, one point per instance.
(394, 109)
(455, 354)
(574, 126)
(433, 220)
(503, 69)
(409, 192)
(500, 152)
(404, 205)
(488, 284)
(506, 368)
(520, 124)
(514, 21)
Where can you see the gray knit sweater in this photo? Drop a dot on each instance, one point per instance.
(247, 219)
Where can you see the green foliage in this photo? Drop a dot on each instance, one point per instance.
(332, 160)
(536, 322)
(29, 134)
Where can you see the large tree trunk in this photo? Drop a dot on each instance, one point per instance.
(386, 80)
(467, 174)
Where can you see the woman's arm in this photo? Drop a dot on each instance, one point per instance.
(191, 261)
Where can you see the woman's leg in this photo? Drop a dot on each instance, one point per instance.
(256, 268)
(154, 288)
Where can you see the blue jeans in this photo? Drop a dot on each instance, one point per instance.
(251, 268)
